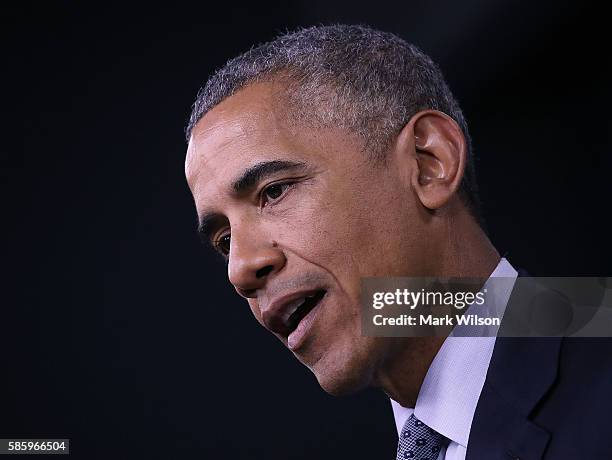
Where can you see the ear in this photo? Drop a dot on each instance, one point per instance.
(437, 144)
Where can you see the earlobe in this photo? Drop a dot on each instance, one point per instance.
(440, 150)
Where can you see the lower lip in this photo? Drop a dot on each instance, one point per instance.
(296, 338)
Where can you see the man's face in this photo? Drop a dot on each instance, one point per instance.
(309, 215)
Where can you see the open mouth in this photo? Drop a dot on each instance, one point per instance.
(301, 307)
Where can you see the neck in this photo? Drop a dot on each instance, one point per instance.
(463, 250)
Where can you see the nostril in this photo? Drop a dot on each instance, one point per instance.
(264, 271)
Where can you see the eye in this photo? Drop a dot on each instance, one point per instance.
(274, 192)
(223, 244)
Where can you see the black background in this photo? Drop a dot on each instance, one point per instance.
(120, 333)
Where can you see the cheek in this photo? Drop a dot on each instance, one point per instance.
(346, 237)
(363, 231)
(350, 233)
(316, 232)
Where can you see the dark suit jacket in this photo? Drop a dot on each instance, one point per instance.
(545, 398)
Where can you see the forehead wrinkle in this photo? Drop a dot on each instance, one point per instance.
(240, 126)
(208, 142)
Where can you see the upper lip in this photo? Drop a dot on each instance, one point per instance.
(275, 314)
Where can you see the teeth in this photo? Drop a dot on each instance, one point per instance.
(292, 308)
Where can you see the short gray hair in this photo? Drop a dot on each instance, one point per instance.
(367, 81)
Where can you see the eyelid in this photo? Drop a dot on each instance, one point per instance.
(215, 241)
(282, 182)
(216, 237)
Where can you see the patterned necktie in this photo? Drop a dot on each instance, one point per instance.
(418, 441)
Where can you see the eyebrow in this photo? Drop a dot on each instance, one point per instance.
(256, 173)
(245, 182)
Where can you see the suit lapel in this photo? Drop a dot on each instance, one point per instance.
(520, 373)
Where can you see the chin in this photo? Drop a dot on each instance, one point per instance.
(345, 372)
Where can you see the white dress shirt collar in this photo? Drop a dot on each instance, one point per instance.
(450, 391)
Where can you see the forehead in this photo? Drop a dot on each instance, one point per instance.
(250, 127)
(240, 131)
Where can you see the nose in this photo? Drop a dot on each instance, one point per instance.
(252, 260)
